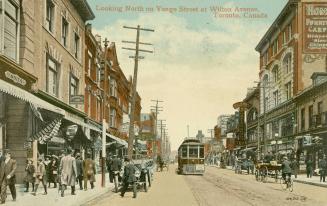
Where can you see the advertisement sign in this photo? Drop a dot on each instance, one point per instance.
(315, 27)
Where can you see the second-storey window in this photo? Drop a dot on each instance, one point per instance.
(10, 30)
(275, 47)
(64, 31)
(52, 76)
(73, 89)
(288, 90)
(113, 87)
(112, 117)
(50, 15)
(310, 116)
(276, 97)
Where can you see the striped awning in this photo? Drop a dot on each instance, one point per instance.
(48, 132)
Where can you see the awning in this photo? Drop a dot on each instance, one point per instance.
(45, 134)
(28, 97)
(80, 121)
(249, 148)
(118, 140)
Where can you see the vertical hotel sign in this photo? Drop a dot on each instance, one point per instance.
(315, 27)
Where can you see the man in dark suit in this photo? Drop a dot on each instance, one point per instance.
(129, 178)
(7, 176)
(79, 167)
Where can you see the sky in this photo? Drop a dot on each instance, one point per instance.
(203, 62)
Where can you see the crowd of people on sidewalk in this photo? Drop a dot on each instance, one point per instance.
(66, 170)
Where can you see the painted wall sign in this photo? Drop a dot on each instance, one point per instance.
(315, 27)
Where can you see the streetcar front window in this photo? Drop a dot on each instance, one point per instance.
(193, 152)
(201, 152)
(184, 152)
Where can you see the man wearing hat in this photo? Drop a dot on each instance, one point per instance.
(40, 177)
(79, 167)
(286, 168)
(68, 172)
(129, 178)
(7, 176)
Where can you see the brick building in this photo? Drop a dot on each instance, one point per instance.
(289, 54)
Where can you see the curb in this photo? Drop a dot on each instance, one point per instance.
(310, 183)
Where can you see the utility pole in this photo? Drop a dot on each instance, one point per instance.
(136, 59)
(156, 109)
(162, 127)
(104, 123)
(211, 131)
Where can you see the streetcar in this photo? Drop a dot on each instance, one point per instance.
(191, 157)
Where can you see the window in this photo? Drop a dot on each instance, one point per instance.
(201, 152)
(184, 152)
(112, 117)
(10, 30)
(310, 116)
(319, 115)
(288, 90)
(89, 104)
(290, 31)
(98, 71)
(275, 47)
(287, 63)
(73, 85)
(275, 74)
(64, 31)
(265, 58)
(302, 119)
(76, 45)
(276, 96)
(193, 151)
(89, 64)
(113, 87)
(284, 38)
(52, 76)
(49, 15)
(98, 110)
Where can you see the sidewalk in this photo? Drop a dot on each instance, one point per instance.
(315, 180)
(302, 178)
(53, 198)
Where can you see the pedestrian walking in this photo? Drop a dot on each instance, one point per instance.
(79, 167)
(323, 168)
(309, 167)
(7, 177)
(109, 166)
(89, 171)
(29, 178)
(129, 178)
(40, 177)
(295, 167)
(53, 170)
(68, 172)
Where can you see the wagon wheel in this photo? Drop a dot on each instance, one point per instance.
(276, 176)
(256, 174)
(265, 174)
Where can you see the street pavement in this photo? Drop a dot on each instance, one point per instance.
(230, 189)
(216, 187)
(53, 197)
(168, 189)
